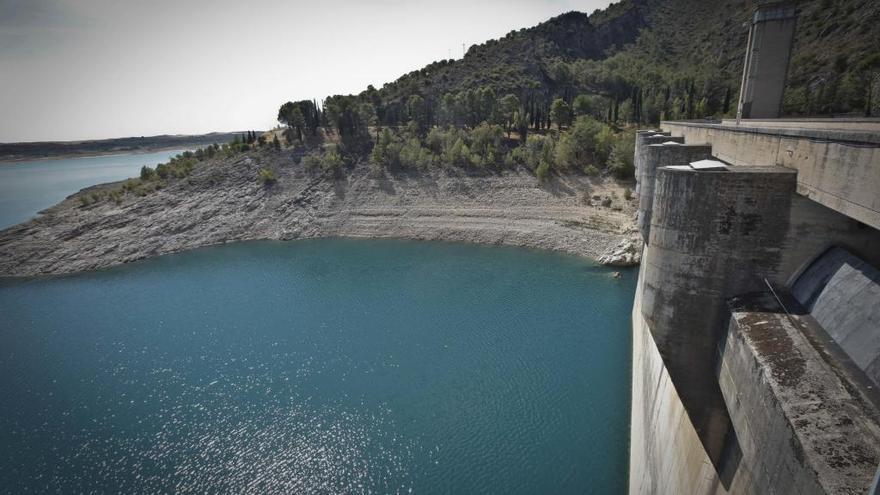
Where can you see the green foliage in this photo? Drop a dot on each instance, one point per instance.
(178, 167)
(312, 161)
(536, 151)
(590, 105)
(543, 172)
(332, 161)
(580, 146)
(301, 116)
(621, 159)
(351, 118)
(267, 177)
(147, 173)
(457, 154)
(329, 160)
(486, 145)
(560, 112)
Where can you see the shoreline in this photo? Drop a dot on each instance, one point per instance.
(67, 156)
(223, 201)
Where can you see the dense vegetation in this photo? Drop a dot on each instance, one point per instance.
(564, 94)
(646, 59)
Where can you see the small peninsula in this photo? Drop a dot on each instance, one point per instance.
(229, 198)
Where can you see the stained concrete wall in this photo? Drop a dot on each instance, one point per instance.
(711, 234)
(801, 425)
(666, 456)
(837, 168)
(714, 235)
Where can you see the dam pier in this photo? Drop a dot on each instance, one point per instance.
(756, 320)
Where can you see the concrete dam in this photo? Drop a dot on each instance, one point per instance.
(756, 321)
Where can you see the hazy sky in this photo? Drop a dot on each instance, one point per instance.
(85, 69)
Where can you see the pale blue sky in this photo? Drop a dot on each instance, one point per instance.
(87, 69)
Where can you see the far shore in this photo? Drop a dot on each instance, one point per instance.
(66, 156)
(52, 150)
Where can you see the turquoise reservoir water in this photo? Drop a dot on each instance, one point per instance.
(325, 366)
(29, 187)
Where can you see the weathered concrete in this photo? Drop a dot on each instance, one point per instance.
(642, 141)
(838, 167)
(661, 155)
(771, 36)
(802, 424)
(712, 234)
(842, 292)
(666, 455)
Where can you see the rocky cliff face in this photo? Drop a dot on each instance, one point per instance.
(223, 200)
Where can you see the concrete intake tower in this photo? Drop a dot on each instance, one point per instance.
(756, 322)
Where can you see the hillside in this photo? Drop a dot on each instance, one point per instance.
(681, 58)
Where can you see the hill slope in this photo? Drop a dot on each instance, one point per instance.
(682, 58)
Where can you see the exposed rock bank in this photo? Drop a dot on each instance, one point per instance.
(223, 201)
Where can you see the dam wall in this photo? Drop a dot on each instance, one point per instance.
(837, 166)
(735, 382)
(664, 447)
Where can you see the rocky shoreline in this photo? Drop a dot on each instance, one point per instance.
(224, 200)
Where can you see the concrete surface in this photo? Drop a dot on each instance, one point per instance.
(802, 426)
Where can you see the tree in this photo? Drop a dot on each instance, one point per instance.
(577, 148)
(351, 119)
(418, 112)
(591, 105)
(621, 159)
(147, 173)
(486, 143)
(521, 121)
(560, 112)
(507, 107)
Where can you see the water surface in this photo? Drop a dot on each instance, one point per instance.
(32, 186)
(326, 366)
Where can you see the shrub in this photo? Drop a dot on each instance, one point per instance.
(147, 173)
(543, 171)
(536, 150)
(267, 177)
(591, 170)
(621, 159)
(579, 144)
(312, 161)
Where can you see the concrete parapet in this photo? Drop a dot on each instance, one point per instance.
(838, 166)
(654, 157)
(713, 235)
(801, 424)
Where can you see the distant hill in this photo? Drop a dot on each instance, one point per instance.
(49, 149)
(681, 58)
